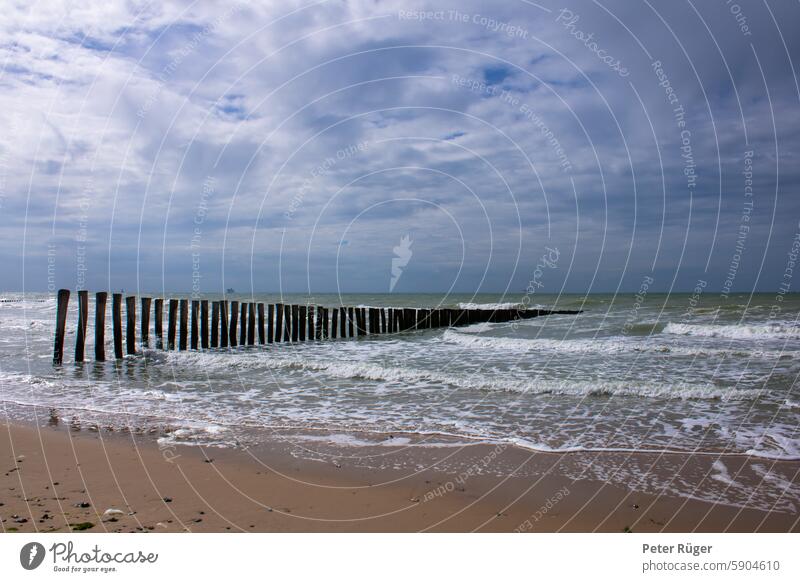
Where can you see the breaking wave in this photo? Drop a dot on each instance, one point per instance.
(736, 331)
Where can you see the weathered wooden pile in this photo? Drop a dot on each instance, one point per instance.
(235, 323)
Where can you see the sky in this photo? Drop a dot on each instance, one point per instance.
(363, 146)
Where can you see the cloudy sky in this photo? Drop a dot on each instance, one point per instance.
(151, 146)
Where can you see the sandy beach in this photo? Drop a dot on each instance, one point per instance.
(57, 478)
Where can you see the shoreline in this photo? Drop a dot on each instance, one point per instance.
(50, 473)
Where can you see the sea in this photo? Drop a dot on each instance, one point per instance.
(663, 374)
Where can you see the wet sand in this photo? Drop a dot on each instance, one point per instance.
(53, 478)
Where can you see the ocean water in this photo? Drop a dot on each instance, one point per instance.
(663, 373)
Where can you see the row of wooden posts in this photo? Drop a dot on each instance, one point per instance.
(238, 323)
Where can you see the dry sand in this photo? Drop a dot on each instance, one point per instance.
(56, 479)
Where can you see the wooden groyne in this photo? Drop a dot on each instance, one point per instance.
(244, 323)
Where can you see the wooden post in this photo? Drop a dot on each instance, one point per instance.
(360, 322)
(100, 326)
(270, 320)
(234, 318)
(159, 307)
(243, 325)
(83, 314)
(261, 329)
(251, 324)
(195, 323)
(223, 324)
(204, 323)
(375, 323)
(146, 322)
(318, 323)
(310, 322)
(130, 328)
(295, 323)
(342, 322)
(390, 320)
(286, 323)
(172, 323)
(278, 321)
(302, 323)
(405, 322)
(184, 330)
(334, 322)
(324, 322)
(351, 321)
(116, 319)
(215, 324)
(61, 325)
(384, 329)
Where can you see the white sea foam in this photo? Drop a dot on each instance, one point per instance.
(404, 376)
(609, 345)
(408, 377)
(351, 440)
(740, 331)
(721, 473)
(476, 328)
(500, 306)
(781, 447)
